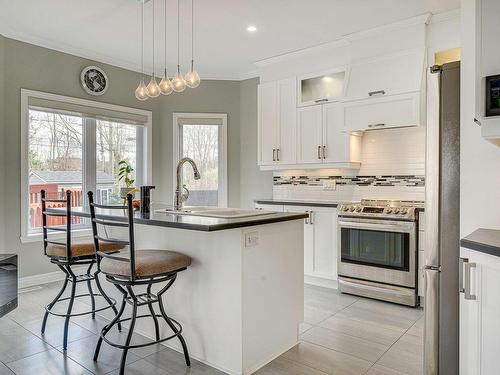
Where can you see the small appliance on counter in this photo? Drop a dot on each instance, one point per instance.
(8, 283)
(378, 250)
(146, 199)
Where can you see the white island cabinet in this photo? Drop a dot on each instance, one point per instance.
(241, 301)
(480, 306)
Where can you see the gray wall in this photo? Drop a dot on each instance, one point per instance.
(32, 67)
(253, 182)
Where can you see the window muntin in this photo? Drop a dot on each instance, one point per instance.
(55, 155)
(68, 151)
(202, 137)
(201, 143)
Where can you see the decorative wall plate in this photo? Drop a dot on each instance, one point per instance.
(94, 80)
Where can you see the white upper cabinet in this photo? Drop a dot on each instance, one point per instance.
(388, 75)
(321, 87)
(339, 146)
(277, 108)
(309, 131)
(287, 120)
(322, 139)
(268, 122)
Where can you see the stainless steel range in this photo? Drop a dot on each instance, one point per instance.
(378, 250)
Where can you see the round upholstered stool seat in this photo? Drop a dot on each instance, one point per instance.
(81, 248)
(148, 263)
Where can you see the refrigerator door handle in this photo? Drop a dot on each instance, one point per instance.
(461, 288)
(431, 318)
(467, 289)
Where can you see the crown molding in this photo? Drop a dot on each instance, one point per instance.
(346, 39)
(422, 19)
(302, 52)
(104, 59)
(445, 16)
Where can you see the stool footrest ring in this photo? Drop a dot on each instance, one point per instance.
(82, 313)
(119, 346)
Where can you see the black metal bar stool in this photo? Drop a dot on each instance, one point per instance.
(143, 267)
(68, 253)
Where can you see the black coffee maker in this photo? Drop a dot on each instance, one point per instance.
(146, 199)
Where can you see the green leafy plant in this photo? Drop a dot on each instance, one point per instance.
(125, 173)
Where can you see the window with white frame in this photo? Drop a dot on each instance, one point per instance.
(76, 145)
(203, 138)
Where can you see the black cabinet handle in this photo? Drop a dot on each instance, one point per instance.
(321, 100)
(378, 92)
(376, 125)
(274, 154)
(319, 152)
(277, 154)
(324, 152)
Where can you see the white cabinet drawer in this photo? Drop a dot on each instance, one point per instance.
(388, 112)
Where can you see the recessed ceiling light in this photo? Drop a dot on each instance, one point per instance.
(251, 29)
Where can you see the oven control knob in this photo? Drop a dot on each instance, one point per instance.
(359, 209)
(404, 211)
(396, 211)
(389, 210)
(353, 209)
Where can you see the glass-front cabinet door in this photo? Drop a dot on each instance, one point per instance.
(321, 88)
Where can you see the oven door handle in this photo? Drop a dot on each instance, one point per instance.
(399, 227)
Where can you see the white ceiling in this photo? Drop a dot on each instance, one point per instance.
(109, 30)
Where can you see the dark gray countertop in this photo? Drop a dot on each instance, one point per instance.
(205, 224)
(299, 202)
(483, 240)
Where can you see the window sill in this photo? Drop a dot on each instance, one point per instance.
(38, 237)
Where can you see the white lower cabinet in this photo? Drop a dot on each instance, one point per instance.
(479, 314)
(320, 242)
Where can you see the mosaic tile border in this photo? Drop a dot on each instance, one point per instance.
(351, 180)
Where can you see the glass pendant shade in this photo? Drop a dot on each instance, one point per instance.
(178, 83)
(153, 88)
(141, 92)
(166, 85)
(192, 78)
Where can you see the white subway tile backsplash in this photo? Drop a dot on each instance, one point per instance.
(392, 167)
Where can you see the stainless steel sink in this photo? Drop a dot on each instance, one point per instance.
(221, 213)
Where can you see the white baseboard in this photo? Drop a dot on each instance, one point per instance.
(44, 278)
(319, 281)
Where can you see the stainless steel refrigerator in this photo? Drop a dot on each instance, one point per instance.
(442, 214)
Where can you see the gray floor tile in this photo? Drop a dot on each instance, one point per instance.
(327, 360)
(381, 370)
(82, 352)
(283, 366)
(17, 343)
(323, 298)
(54, 331)
(51, 362)
(417, 329)
(173, 362)
(413, 313)
(406, 355)
(4, 370)
(314, 315)
(364, 330)
(376, 317)
(304, 327)
(141, 367)
(360, 348)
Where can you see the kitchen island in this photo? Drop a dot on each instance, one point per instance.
(241, 301)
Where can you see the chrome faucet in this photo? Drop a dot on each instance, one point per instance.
(181, 197)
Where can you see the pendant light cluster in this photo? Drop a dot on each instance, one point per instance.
(167, 85)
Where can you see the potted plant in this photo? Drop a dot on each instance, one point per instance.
(125, 176)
